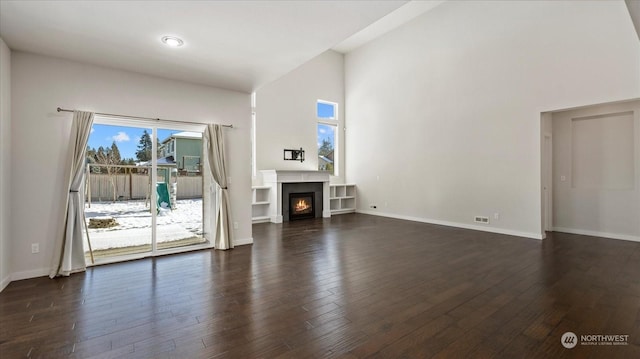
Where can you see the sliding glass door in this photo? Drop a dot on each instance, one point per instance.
(118, 182)
(145, 191)
(179, 189)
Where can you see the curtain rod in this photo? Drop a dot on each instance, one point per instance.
(143, 118)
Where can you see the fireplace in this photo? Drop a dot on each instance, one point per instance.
(311, 195)
(301, 206)
(283, 182)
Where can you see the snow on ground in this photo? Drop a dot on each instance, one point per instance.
(134, 223)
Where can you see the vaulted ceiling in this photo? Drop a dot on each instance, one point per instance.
(237, 45)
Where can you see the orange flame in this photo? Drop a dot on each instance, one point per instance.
(301, 205)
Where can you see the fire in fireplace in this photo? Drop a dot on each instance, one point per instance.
(301, 206)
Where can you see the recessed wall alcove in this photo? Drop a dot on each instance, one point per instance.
(590, 160)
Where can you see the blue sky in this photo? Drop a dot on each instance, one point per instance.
(127, 138)
(325, 132)
(325, 110)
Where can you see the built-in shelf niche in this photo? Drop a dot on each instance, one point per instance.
(336, 198)
(342, 198)
(260, 204)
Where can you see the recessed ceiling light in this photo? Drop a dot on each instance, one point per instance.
(172, 41)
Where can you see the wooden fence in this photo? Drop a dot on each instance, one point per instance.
(136, 186)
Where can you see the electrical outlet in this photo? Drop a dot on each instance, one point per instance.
(374, 206)
(496, 215)
(35, 248)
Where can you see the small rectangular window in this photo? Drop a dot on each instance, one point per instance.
(326, 111)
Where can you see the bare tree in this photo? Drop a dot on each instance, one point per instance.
(109, 158)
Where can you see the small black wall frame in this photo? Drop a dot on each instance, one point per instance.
(294, 155)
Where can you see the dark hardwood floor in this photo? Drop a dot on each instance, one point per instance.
(352, 286)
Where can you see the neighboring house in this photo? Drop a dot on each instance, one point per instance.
(184, 149)
(325, 163)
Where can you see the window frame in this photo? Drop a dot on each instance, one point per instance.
(154, 126)
(335, 123)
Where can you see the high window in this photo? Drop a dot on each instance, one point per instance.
(327, 115)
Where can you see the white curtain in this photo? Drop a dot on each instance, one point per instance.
(214, 143)
(69, 250)
(210, 196)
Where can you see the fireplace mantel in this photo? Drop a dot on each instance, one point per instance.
(275, 179)
(286, 176)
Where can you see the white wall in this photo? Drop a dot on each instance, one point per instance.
(5, 164)
(40, 139)
(546, 172)
(443, 113)
(634, 11)
(286, 113)
(600, 195)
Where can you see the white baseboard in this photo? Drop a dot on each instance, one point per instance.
(34, 273)
(624, 237)
(456, 224)
(243, 241)
(5, 282)
(44, 272)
